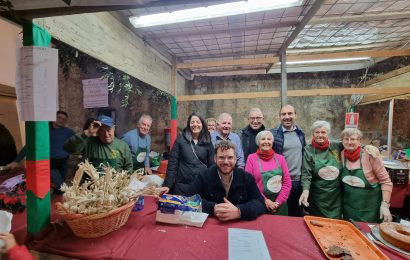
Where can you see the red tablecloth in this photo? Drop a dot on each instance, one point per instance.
(143, 238)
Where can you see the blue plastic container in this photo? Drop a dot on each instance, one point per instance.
(139, 205)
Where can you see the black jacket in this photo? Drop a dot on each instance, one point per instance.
(246, 137)
(243, 192)
(184, 166)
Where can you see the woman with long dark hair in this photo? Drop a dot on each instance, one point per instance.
(191, 154)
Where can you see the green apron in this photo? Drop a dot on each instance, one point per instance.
(272, 184)
(138, 158)
(361, 200)
(325, 198)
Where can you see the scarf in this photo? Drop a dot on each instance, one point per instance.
(320, 147)
(266, 156)
(352, 156)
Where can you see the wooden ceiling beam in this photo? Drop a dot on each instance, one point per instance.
(386, 76)
(381, 98)
(299, 93)
(69, 10)
(361, 18)
(48, 8)
(351, 54)
(304, 57)
(348, 47)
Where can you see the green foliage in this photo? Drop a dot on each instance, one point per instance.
(6, 6)
(119, 82)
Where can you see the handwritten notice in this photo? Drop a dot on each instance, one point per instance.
(37, 83)
(95, 93)
(245, 244)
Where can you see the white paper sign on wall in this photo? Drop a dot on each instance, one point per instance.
(37, 83)
(95, 93)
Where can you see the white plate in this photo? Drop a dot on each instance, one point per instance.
(376, 232)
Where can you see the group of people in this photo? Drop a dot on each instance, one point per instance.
(243, 176)
(274, 171)
(97, 143)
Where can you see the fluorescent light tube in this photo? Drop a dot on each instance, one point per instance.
(326, 60)
(212, 11)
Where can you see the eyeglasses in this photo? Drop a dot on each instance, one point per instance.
(223, 158)
(258, 118)
(347, 139)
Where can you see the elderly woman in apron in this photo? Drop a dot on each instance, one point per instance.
(366, 184)
(271, 174)
(320, 177)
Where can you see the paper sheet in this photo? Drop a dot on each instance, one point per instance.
(245, 244)
(37, 83)
(95, 93)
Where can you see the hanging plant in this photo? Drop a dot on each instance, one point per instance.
(120, 83)
(5, 6)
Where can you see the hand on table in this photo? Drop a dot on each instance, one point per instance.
(160, 191)
(385, 212)
(9, 242)
(304, 198)
(272, 206)
(148, 170)
(226, 211)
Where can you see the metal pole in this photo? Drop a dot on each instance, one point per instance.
(390, 129)
(283, 80)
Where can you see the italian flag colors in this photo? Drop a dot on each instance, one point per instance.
(38, 150)
(174, 121)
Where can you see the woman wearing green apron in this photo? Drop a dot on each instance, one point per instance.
(321, 174)
(366, 184)
(271, 174)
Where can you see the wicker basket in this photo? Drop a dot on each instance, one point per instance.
(97, 225)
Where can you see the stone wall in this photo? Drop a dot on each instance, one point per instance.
(71, 100)
(309, 109)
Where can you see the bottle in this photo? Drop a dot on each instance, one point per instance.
(139, 205)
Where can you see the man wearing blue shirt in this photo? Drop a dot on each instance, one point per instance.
(59, 134)
(223, 132)
(139, 142)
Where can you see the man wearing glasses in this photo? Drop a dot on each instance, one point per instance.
(249, 133)
(228, 192)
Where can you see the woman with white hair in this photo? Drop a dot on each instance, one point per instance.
(271, 174)
(366, 184)
(320, 176)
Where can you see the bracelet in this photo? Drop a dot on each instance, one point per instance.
(385, 201)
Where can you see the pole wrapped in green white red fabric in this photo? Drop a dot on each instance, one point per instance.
(38, 150)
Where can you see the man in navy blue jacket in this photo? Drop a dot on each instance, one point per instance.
(289, 140)
(228, 192)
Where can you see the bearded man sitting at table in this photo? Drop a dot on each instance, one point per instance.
(228, 192)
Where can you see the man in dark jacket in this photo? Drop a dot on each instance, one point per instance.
(228, 192)
(250, 131)
(289, 140)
